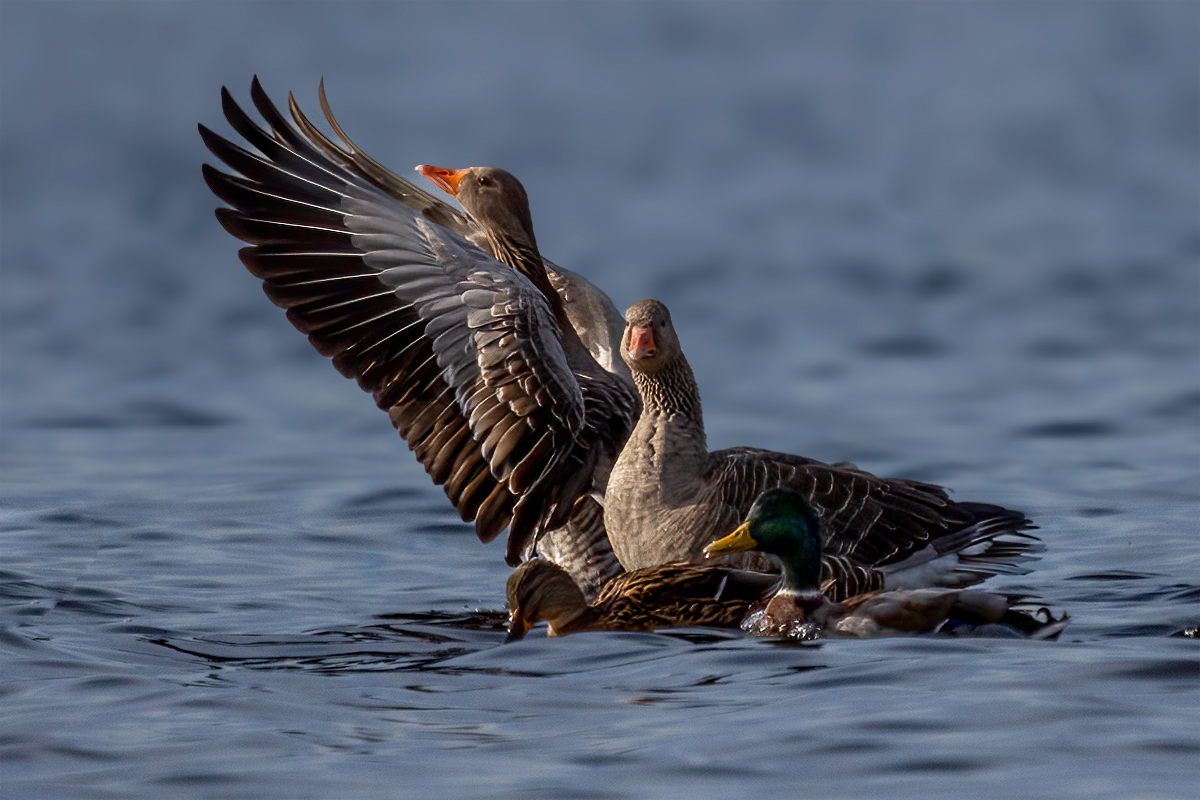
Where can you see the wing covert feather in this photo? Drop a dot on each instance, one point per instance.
(868, 519)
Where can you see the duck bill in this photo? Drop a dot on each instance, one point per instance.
(517, 628)
(447, 180)
(735, 542)
(641, 343)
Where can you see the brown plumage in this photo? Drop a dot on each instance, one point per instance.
(665, 596)
(591, 330)
(809, 614)
(668, 496)
(476, 364)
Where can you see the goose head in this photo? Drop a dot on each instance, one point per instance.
(497, 203)
(649, 342)
(493, 198)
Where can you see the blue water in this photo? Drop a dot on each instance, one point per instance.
(951, 241)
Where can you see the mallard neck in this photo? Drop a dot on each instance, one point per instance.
(794, 538)
(782, 522)
(581, 618)
(671, 391)
(799, 574)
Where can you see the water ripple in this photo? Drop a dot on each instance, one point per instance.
(1069, 429)
(143, 414)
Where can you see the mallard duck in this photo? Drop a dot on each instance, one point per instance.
(782, 523)
(665, 596)
(476, 362)
(668, 496)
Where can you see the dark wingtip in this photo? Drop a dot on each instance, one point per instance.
(262, 102)
(207, 136)
(515, 549)
(231, 221)
(216, 180)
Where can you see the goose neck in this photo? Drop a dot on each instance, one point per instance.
(671, 391)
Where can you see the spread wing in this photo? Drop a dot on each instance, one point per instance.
(352, 158)
(461, 351)
(593, 315)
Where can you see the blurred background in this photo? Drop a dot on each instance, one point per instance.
(950, 241)
(802, 183)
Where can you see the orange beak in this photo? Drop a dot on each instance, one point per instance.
(641, 342)
(446, 179)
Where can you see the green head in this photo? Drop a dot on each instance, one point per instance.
(781, 522)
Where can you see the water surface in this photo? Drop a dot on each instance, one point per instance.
(953, 242)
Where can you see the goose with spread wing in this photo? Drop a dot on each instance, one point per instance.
(479, 364)
(668, 496)
(499, 206)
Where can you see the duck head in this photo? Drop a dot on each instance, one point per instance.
(781, 522)
(538, 590)
(649, 342)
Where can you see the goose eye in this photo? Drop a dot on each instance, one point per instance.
(484, 180)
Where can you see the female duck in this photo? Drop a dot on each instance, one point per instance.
(782, 524)
(666, 596)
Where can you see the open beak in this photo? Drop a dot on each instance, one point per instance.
(735, 542)
(641, 343)
(517, 628)
(446, 179)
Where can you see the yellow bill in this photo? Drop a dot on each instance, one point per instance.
(735, 542)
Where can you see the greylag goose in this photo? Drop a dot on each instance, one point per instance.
(478, 366)
(666, 596)
(782, 523)
(668, 496)
(498, 206)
